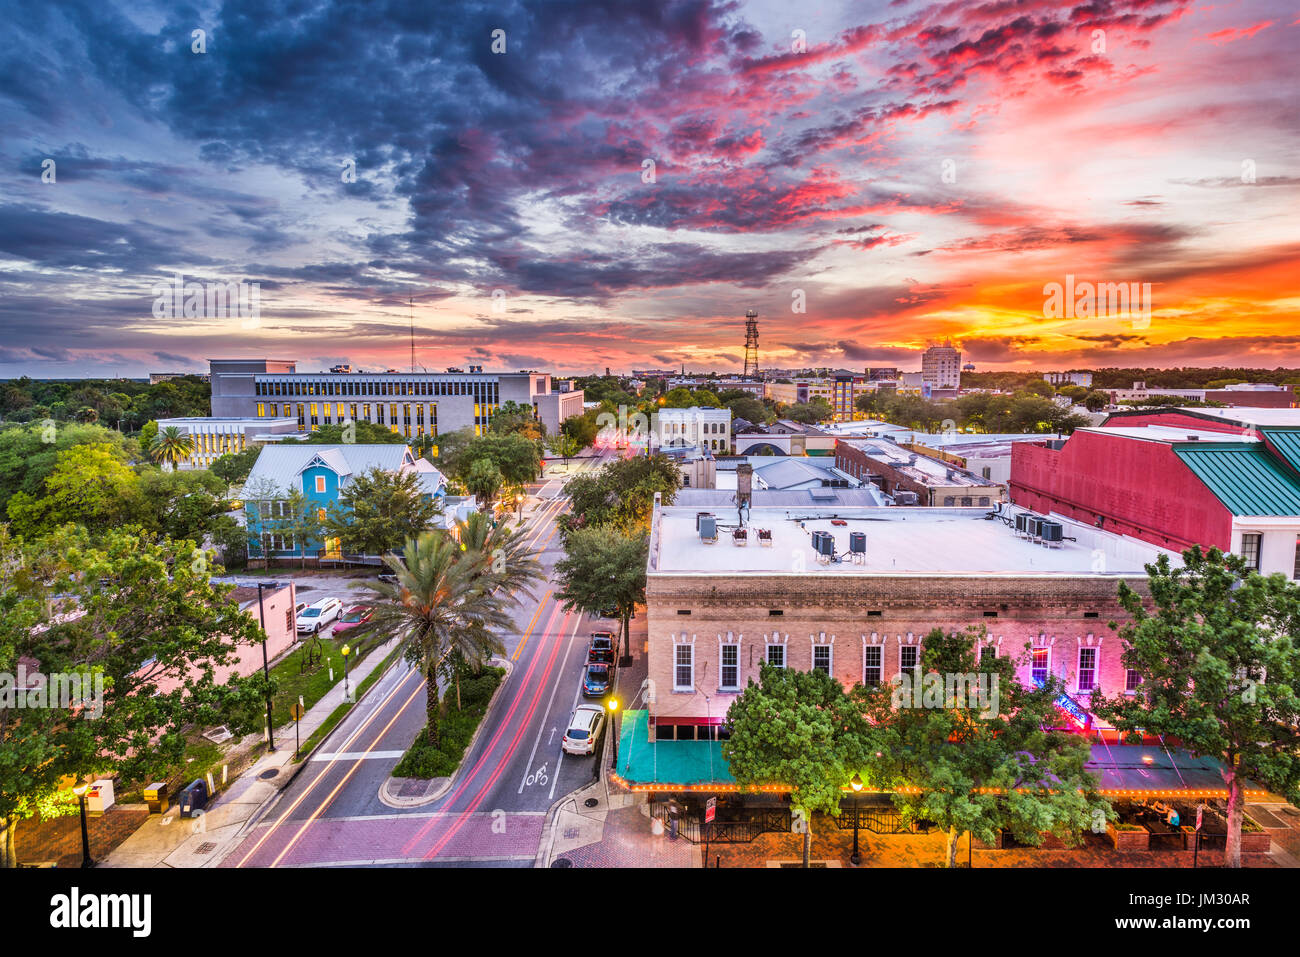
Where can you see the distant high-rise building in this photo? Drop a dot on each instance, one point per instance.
(941, 367)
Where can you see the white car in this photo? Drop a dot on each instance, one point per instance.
(584, 730)
(315, 617)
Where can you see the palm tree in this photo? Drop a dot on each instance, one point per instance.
(450, 597)
(171, 445)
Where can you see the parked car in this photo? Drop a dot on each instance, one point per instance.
(356, 615)
(316, 616)
(584, 729)
(597, 680)
(388, 578)
(600, 650)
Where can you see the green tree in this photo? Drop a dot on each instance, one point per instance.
(179, 505)
(514, 418)
(305, 521)
(147, 435)
(981, 756)
(799, 729)
(360, 432)
(89, 486)
(171, 446)
(234, 467)
(604, 567)
(142, 615)
(563, 446)
(484, 480)
(747, 407)
(1219, 656)
(811, 412)
(1096, 400)
(379, 510)
(621, 494)
(582, 428)
(28, 452)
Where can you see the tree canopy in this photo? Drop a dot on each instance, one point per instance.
(1219, 657)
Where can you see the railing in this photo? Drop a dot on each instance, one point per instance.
(733, 826)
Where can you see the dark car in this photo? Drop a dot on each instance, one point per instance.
(601, 648)
(597, 679)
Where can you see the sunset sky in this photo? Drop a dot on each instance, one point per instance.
(919, 171)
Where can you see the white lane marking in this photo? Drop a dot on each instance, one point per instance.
(356, 755)
(554, 687)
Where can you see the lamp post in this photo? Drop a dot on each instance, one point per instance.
(612, 705)
(266, 668)
(347, 694)
(80, 792)
(856, 783)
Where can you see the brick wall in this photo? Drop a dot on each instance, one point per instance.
(1042, 611)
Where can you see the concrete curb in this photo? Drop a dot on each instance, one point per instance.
(388, 799)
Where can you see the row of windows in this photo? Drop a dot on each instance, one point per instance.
(873, 664)
(482, 391)
(384, 415)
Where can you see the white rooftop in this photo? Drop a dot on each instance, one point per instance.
(1169, 433)
(1254, 416)
(929, 471)
(900, 541)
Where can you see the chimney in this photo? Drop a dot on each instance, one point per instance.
(744, 484)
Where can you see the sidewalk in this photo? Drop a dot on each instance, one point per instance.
(168, 840)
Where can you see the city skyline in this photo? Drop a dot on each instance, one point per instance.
(907, 172)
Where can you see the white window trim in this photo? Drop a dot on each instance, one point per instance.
(881, 647)
(820, 640)
(1078, 668)
(680, 641)
(725, 641)
(782, 641)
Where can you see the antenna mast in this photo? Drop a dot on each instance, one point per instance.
(751, 344)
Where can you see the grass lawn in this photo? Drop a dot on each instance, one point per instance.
(330, 723)
(456, 728)
(292, 683)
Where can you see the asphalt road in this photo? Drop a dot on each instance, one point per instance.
(331, 815)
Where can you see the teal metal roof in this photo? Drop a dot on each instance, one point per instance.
(1247, 479)
(1287, 443)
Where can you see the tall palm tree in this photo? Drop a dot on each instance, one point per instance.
(446, 599)
(171, 445)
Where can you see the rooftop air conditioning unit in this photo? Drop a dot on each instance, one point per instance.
(858, 547)
(708, 529)
(823, 544)
(739, 537)
(1051, 533)
(765, 537)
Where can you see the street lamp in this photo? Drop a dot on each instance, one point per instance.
(80, 792)
(856, 783)
(612, 705)
(266, 668)
(347, 695)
